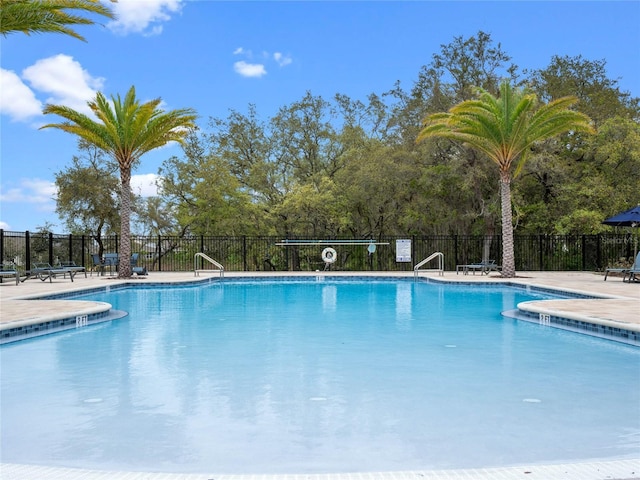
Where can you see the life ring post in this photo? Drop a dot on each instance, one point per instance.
(329, 256)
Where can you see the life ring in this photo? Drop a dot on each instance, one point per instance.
(329, 255)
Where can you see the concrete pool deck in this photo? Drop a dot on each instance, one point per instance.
(621, 308)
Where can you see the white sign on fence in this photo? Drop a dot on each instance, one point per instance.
(403, 251)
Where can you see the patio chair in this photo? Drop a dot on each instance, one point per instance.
(98, 264)
(111, 260)
(45, 271)
(9, 271)
(624, 271)
(134, 265)
(72, 266)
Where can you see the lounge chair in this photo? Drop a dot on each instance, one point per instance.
(9, 271)
(634, 275)
(45, 271)
(485, 267)
(72, 266)
(635, 267)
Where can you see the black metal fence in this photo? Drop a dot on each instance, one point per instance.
(251, 253)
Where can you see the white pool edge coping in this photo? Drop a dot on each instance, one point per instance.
(593, 470)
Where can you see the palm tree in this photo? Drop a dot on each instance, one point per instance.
(504, 129)
(49, 16)
(125, 130)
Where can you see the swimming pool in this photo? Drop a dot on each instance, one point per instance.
(306, 377)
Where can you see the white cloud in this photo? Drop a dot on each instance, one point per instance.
(28, 196)
(33, 191)
(282, 60)
(249, 69)
(146, 17)
(64, 79)
(60, 77)
(16, 99)
(257, 70)
(12, 195)
(145, 185)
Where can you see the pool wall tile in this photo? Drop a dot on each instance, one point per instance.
(24, 332)
(578, 326)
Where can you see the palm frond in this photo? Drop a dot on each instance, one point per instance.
(505, 128)
(49, 16)
(125, 128)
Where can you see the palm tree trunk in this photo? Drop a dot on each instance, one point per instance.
(124, 266)
(508, 255)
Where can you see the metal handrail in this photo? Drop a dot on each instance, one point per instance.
(208, 259)
(440, 269)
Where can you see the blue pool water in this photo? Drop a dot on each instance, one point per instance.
(297, 377)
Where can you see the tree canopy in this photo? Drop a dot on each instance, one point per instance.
(351, 167)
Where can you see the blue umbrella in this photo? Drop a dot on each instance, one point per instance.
(628, 218)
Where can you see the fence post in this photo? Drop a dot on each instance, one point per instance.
(71, 247)
(455, 249)
(244, 252)
(414, 251)
(27, 250)
(286, 256)
(50, 248)
(159, 253)
(2, 245)
(82, 245)
(540, 256)
(584, 254)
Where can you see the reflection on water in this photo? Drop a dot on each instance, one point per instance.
(329, 298)
(403, 305)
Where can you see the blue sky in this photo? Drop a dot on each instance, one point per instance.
(216, 56)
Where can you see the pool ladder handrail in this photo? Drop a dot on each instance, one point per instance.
(196, 271)
(440, 269)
